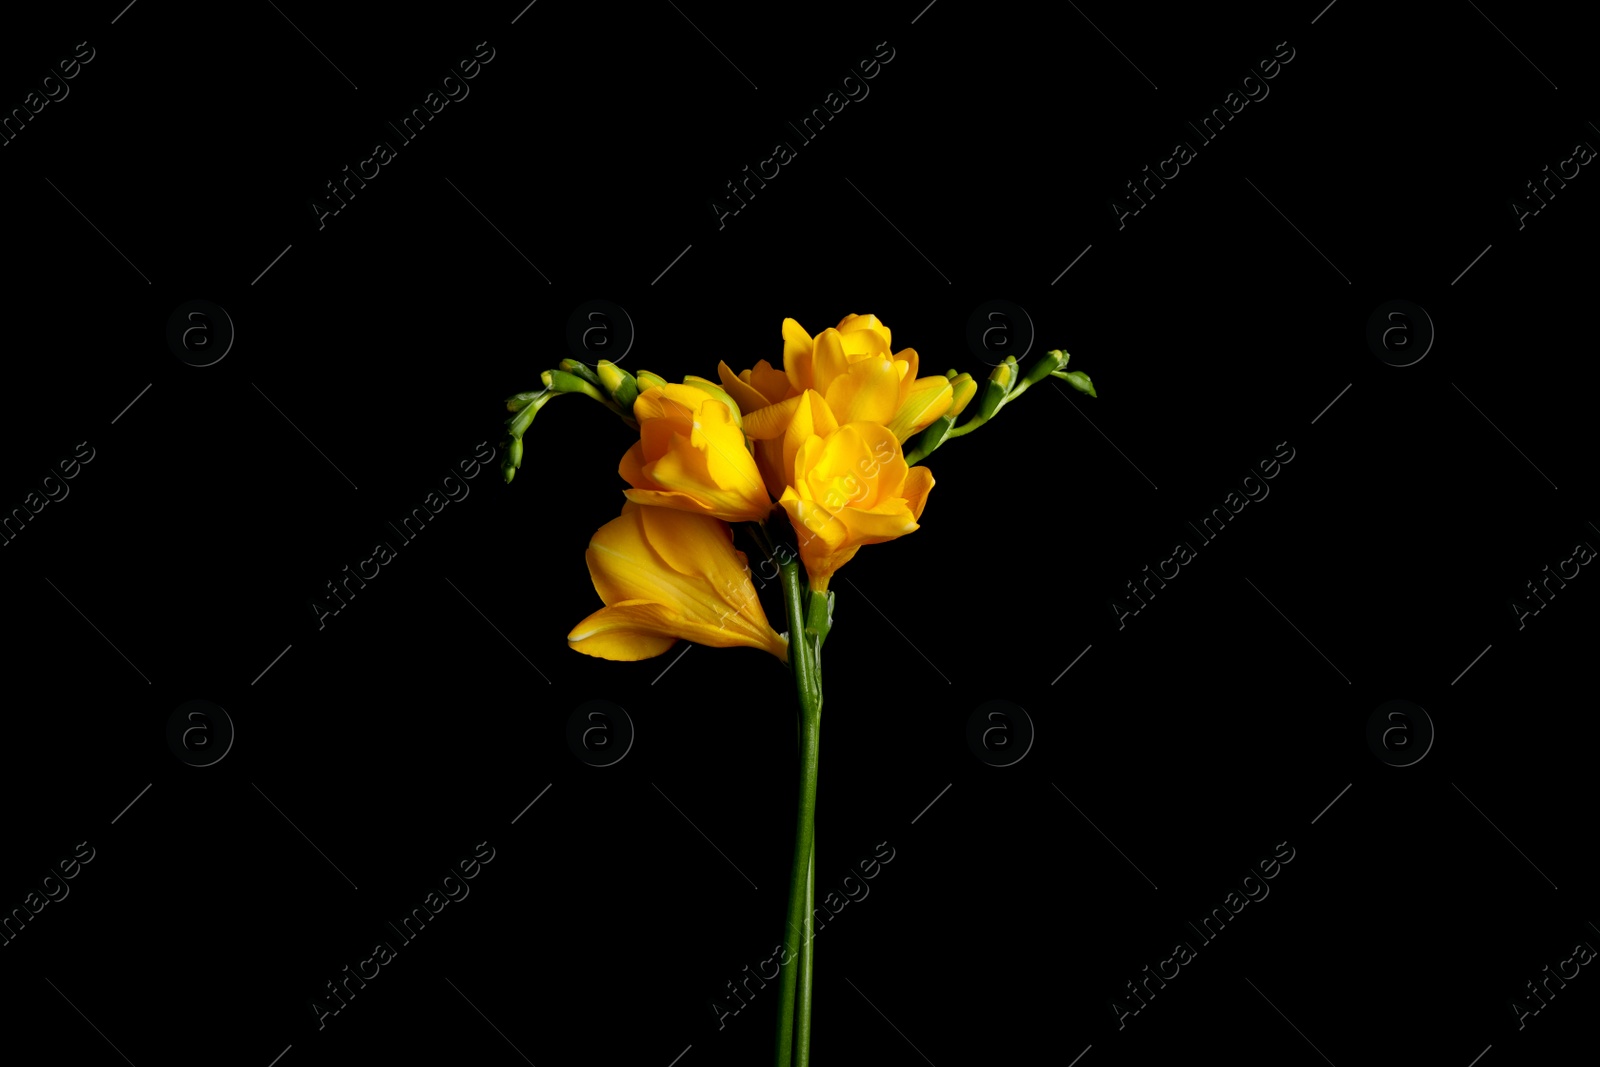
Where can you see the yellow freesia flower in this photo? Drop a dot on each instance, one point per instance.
(850, 368)
(665, 575)
(851, 488)
(691, 455)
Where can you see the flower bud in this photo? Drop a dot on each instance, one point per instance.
(1078, 380)
(522, 400)
(649, 380)
(934, 435)
(1048, 364)
(963, 389)
(562, 381)
(623, 387)
(707, 386)
(511, 458)
(582, 370)
(1000, 382)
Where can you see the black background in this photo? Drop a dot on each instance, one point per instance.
(422, 719)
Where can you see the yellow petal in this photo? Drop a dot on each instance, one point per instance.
(868, 392)
(623, 565)
(796, 355)
(670, 401)
(919, 480)
(746, 396)
(671, 574)
(718, 473)
(858, 466)
(927, 399)
(689, 546)
(639, 629)
(814, 524)
(700, 460)
(763, 424)
(632, 466)
(812, 418)
(769, 461)
(769, 381)
(854, 323)
(619, 633)
(908, 374)
(883, 523)
(822, 539)
(828, 360)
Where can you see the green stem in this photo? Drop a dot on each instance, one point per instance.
(794, 991)
(802, 1022)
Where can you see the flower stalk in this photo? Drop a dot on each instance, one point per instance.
(810, 616)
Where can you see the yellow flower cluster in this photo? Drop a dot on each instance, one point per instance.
(820, 438)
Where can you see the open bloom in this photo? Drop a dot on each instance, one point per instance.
(666, 574)
(850, 367)
(691, 455)
(851, 488)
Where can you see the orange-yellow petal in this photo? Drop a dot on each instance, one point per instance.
(769, 381)
(666, 574)
(868, 392)
(828, 360)
(626, 631)
(796, 355)
(926, 400)
(919, 480)
(745, 395)
(868, 324)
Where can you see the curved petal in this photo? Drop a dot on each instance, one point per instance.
(632, 466)
(828, 360)
(868, 392)
(925, 401)
(746, 396)
(763, 424)
(677, 575)
(919, 480)
(639, 629)
(812, 418)
(691, 545)
(711, 465)
(797, 345)
(854, 323)
(769, 381)
(883, 523)
(622, 632)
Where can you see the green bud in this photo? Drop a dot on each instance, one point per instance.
(649, 380)
(514, 453)
(522, 400)
(993, 393)
(951, 373)
(623, 387)
(1078, 380)
(962, 390)
(1048, 364)
(707, 386)
(582, 370)
(1001, 380)
(932, 437)
(508, 463)
(518, 424)
(562, 381)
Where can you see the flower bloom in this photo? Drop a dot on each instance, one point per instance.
(851, 488)
(691, 455)
(664, 575)
(851, 369)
